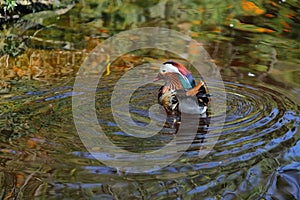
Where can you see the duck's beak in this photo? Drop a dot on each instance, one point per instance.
(158, 77)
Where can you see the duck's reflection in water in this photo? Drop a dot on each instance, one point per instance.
(189, 128)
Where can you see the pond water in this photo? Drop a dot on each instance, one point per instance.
(257, 150)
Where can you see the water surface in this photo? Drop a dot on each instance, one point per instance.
(257, 151)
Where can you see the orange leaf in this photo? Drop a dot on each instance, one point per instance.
(290, 15)
(230, 6)
(20, 179)
(16, 69)
(263, 30)
(103, 30)
(196, 22)
(269, 15)
(217, 30)
(194, 48)
(31, 143)
(194, 34)
(19, 71)
(200, 10)
(273, 4)
(250, 7)
(286, 25)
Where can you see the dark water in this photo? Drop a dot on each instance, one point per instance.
(256, 151)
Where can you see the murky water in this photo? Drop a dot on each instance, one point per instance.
(256, 154)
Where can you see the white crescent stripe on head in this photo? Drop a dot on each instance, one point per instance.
(169, 68)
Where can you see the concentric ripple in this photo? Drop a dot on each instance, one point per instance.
(258, 119)
(261, 124)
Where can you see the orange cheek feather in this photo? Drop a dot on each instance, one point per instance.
(165, 89)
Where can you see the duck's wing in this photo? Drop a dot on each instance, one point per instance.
(201, 92)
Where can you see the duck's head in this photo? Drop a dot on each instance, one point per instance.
(174, 73)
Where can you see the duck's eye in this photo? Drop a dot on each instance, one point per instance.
(163, 70)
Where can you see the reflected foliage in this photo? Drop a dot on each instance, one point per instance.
(256, 43)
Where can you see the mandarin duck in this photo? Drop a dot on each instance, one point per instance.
(180, 93)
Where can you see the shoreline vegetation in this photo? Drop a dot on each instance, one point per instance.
(15, 9)
(45, 38)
